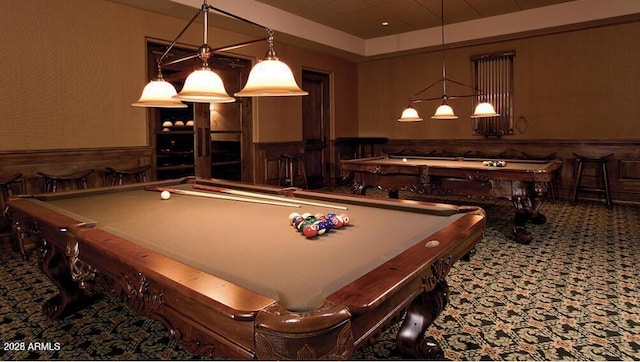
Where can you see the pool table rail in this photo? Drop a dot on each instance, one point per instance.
(196, 307)
(413, 281)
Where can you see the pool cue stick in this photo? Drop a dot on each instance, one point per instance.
(224, 197)
(253, 194)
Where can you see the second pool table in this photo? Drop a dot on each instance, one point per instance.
(524, 182)
(231, 278)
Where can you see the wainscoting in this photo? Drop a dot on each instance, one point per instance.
(28, 163)
(624, 167)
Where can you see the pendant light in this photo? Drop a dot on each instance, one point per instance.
(269, 77)
(159, 93)
(444, 111)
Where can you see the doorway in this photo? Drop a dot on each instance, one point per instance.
(316, 127)
(202, 140)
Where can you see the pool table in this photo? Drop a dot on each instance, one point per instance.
(524, 182)
(234, 278)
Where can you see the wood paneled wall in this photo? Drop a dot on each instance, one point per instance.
(266, 157)
(62, 162)
(624, 167)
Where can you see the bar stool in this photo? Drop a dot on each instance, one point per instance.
(599, 161)
(285, 170)
(51, 181)
(137, 174)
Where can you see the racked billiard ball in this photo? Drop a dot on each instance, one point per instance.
(297, 219)
(328, 224)
(301, 225)
(337, 221)
(291, 216)
(310, 231)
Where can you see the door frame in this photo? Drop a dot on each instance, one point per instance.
(324, 78)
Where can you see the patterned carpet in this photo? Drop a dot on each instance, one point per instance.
(572, 294)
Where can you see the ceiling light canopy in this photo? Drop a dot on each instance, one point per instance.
(444, 111)
(269, 77)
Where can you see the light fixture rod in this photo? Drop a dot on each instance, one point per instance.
(236, 16)
(205, 17)
(205, 8)
(216, 50)
(444, 64)
(178, 37)
(237, 45)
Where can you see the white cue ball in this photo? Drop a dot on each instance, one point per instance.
(165, 195)
(404, 160)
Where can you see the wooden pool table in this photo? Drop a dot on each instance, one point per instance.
(524, 182)
(232, 278)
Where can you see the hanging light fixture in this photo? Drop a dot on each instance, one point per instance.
(269, 77)
(444, 111)
(409, 115)
(159, 93)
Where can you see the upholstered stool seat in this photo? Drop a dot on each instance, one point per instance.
(286, 170)
(120, 176)
(51, 181)
(601, 178)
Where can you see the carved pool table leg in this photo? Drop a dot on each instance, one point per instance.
(423, 310)
(70, 298)
(526, 211)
